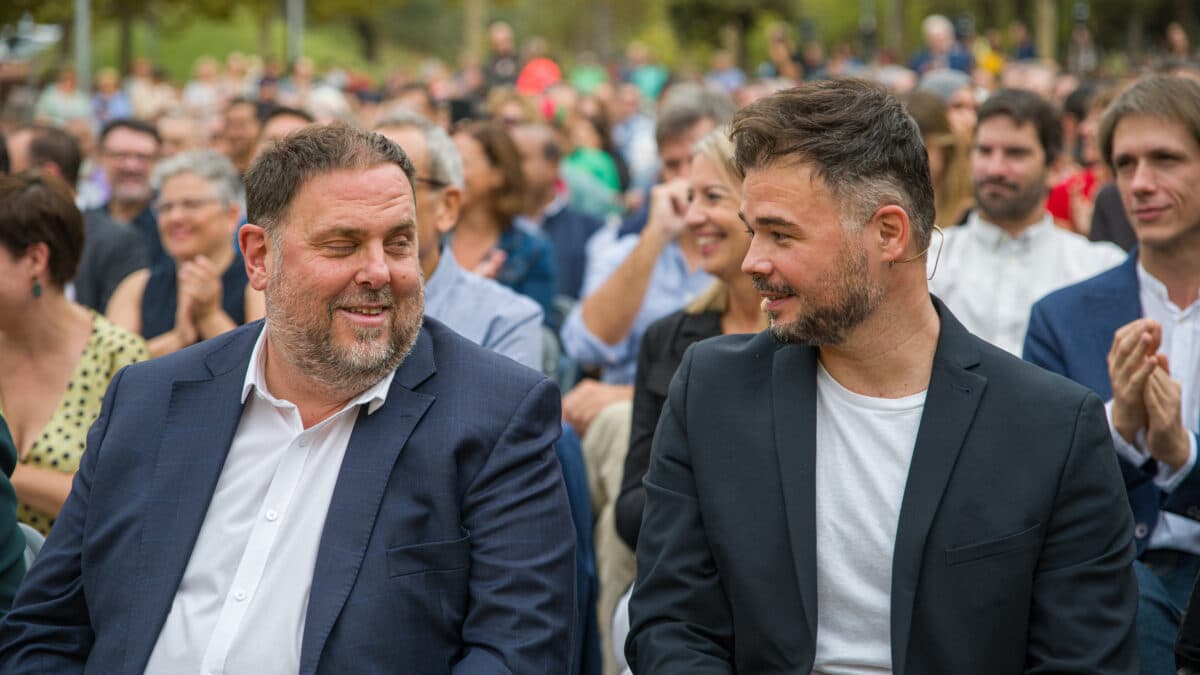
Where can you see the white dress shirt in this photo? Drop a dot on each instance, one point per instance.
(241, 604)
(1181, 344)
(990, 279)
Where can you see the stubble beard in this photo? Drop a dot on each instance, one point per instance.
(854, 297)
(307, 341)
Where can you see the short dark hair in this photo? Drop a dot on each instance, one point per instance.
(131, 124)
(1166, 97)
(502, 154)
(286, 111)
(277, 175)
(52, 144)
(38, 207)
(856, 137)
(1024, 107)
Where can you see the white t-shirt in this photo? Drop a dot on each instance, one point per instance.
(864, 449)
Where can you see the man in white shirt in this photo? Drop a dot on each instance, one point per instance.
(803, 513)
(1009, 253)
(1133, 336)
(348, 488)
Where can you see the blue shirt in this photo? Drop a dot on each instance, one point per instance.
(672, 285)
(485, 312)
(528, 266)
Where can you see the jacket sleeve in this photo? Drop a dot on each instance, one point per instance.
(647, 408)
(49, 628)
(522, 609)
(1041, 344)
(1085, 594)
(12, 540)
(679, 614)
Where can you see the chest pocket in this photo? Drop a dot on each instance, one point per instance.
(1018, 541)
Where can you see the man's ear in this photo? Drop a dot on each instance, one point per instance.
(256, 252)
(449, 205)
(893, 232)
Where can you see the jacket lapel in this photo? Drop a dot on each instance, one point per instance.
(794, 410)
(202, 417)
(954, 393)
(371, 455)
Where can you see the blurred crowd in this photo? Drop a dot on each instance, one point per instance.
(583, 221)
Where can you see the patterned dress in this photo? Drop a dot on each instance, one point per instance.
(61, 443)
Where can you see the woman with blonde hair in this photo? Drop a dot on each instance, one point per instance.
(730, 305)
(948, 160)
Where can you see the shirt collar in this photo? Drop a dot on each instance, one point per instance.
(444, 277)
(555, 207)
(1158, 290)
(994, 235)
(256, 380)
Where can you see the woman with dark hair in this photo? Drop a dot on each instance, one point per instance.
(56, 357)
(486, 239)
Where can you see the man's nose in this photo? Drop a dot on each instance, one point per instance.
(374, 272)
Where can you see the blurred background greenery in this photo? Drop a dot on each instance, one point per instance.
(377, 36)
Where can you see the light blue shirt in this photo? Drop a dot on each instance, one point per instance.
(485, 312)
(672, 286)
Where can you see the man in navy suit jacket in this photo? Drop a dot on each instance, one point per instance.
(1130, 335)
(342, 489)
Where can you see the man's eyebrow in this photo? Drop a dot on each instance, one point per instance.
(770, 221)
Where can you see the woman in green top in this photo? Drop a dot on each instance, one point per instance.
(56, 357)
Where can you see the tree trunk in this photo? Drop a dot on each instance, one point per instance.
(474, 17)
(264, 31)
(896, 30)
(368, 37)
(125, 37)
(1046, 32)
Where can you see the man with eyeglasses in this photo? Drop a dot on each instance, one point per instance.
(478, 308)
(122, 235)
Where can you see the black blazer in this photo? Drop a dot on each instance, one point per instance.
(1014, 545)
(662, 349)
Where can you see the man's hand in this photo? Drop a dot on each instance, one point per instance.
(668, 204)
(582, 404)
(1166, 438)
(1130, 362)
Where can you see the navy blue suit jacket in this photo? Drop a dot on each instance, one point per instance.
(1070, 333)
(448, 546)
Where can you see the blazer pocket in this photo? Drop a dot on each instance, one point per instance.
(1027, 538)
(439, 556)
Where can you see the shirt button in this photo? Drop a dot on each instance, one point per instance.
(304, 442)
(239, 595)
(272, 515)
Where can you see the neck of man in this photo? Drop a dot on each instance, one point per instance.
(1014, 227)
(890, 354)
(541, 200)
(1176, 267)
(125, 211)
(430, 260)
(315, 400)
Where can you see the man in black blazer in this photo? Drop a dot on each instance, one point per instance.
(804, 514)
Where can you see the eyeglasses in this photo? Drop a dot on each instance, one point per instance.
(431, 183)
(185, 205)
(143, 157)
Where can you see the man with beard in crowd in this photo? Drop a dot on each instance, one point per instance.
(122, 235)
(341, 489)
(803, 513)
(1009, 254)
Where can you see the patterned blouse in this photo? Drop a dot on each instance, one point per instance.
(61, 443)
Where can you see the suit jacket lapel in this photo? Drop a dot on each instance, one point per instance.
(371, 455)
(202, 417)
(794, 410)
(954, 393)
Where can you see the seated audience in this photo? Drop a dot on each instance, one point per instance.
(201, 290)
(56, 357)
(486, 240)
